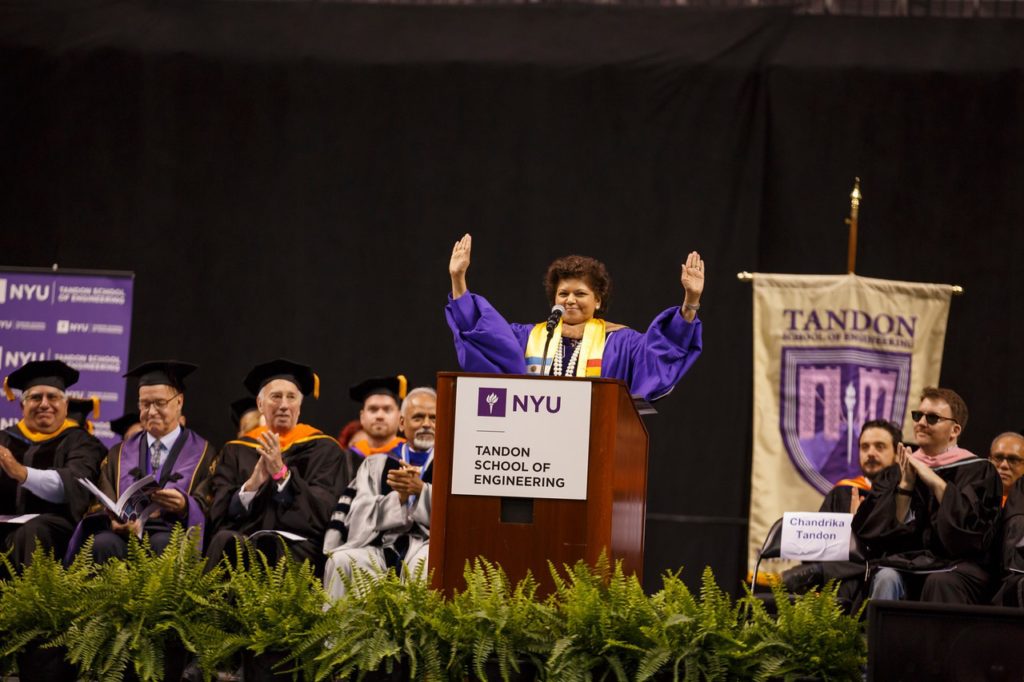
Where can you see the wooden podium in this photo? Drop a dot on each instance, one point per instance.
(524, 534)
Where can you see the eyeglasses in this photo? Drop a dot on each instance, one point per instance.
(998, 458)
(37, 398)
(930, 417)
(160, 405)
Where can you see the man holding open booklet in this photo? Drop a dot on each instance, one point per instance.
(147, 482)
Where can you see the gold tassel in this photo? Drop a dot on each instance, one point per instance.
(95, 407)
(316, 385)
(7, 391)
(403, 386)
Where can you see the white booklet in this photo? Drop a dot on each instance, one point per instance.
(134, 503)
(17, 518)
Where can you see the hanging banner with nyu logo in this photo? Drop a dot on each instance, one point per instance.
(521, 438)
(830, 353)
(79, 317)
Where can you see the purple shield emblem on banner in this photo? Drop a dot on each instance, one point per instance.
(826, 394)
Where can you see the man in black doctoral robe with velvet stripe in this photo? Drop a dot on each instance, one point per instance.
(280, 480)
(41, 459)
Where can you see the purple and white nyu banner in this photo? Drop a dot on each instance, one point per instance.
(79, 317)
(830, 353)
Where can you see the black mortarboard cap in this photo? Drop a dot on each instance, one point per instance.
(393, 386)
(301, 375)
(163, 373)
(80, 408)
(121, 425)
(240, 407)
(40, 373)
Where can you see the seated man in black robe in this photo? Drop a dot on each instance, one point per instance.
(931, 520)
(1007, 455)
(284, 476)
(41, 459)
(877, 443)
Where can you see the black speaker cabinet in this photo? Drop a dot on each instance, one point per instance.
(921, 642)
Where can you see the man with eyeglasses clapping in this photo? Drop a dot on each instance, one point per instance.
(931, 521)
(41, 458)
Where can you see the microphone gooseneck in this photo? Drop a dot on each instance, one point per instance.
(556, 314)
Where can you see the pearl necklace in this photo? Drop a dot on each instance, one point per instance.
(557, 369)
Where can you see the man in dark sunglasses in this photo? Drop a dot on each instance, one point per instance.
(931, 520)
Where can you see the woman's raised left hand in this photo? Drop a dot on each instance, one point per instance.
(692, 278)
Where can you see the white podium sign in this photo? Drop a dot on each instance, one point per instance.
(521, 438)
(816, 536)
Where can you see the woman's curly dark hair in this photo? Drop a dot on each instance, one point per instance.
(590, 270)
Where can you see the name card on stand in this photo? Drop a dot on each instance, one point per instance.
(816, 536)
(521, 438)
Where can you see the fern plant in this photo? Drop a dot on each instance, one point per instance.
(705, 638)
(382, 623)
(491, 619)
(134, 609)
(603, 615)
(39, 604)
(810, 636)
(261, 608)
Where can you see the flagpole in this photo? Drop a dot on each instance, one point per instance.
(851, 248)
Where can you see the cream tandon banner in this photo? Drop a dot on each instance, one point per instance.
(831, 352)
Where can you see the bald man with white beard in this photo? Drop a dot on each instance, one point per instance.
(383, 519)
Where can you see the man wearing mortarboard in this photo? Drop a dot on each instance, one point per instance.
(382, 520)
(245, 415)
(127, 425)
(284, 476)
(41, 459)
(79, 410)
(177, 457)
(379, 401)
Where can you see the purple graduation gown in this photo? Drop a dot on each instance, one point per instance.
(651, 363)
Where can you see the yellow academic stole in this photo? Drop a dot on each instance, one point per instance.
(589, 364)
(40, 437)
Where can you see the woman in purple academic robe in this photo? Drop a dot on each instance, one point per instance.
(581, 343)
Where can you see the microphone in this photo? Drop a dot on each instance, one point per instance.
(556, 314)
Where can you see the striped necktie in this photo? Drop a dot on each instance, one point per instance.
(156, 457)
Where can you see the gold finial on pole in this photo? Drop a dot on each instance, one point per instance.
(851, 249)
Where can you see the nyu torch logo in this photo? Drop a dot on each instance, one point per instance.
(491, 402)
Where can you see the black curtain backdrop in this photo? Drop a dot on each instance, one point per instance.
(288, 179)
